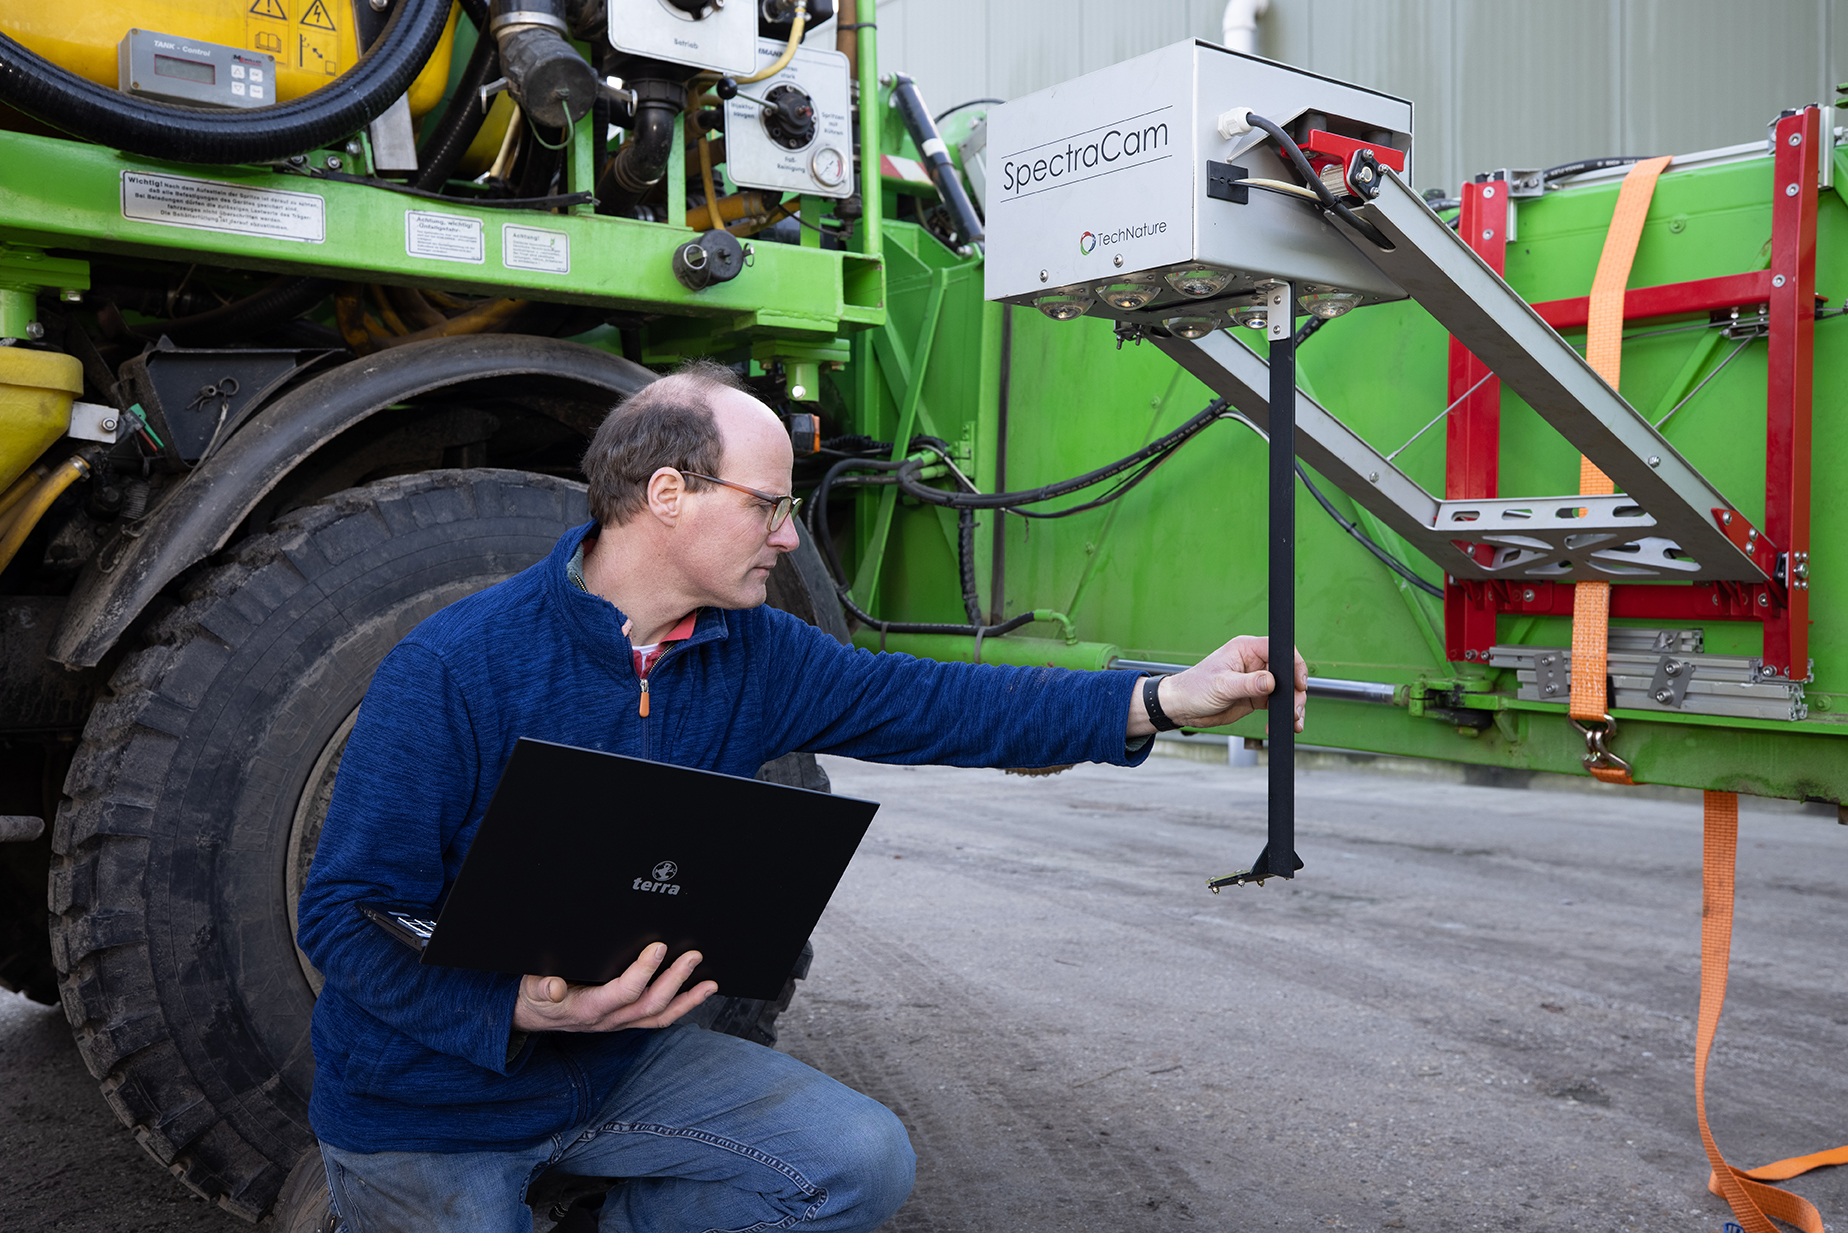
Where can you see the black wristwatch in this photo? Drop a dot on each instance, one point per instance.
(1151, 702)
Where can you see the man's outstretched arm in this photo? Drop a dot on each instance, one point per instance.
(1227, 685)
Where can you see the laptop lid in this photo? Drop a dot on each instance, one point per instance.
(584, 858)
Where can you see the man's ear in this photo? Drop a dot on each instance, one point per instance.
(666, 489)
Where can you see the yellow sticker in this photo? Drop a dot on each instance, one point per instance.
(270, 8)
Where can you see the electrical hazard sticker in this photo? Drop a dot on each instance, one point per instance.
(318, 16)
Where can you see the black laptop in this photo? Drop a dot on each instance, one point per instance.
(585, 858)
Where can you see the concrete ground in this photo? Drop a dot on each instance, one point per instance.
(1474, 1009)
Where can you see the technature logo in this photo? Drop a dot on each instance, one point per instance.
(1120, 145)
(1088, 242)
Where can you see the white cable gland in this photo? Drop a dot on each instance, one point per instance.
(1235, 123)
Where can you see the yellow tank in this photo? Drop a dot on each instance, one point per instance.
(314, 41)
(36, 389)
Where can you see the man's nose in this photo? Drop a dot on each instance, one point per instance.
(784, 538)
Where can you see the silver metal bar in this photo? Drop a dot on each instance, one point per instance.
(1470, 300)
(1241, 377)
(1319, 686)
(1608, 538)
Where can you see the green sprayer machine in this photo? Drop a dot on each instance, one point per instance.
(310, 306)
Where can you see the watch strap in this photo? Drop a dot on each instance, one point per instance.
(1151, 702)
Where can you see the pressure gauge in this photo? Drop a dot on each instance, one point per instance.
(829, 167)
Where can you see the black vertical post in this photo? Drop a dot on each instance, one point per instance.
(1282, 740)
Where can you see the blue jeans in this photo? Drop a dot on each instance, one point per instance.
(715, 1133)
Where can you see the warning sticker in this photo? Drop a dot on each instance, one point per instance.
(210, 205)
(443, 237)
(318, 16)
(535, 248)
(269, 8)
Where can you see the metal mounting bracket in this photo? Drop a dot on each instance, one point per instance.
(1668, 523)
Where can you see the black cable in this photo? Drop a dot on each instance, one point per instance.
(1032, 496)
(1314, 182)
(974, 102)
(556, 201)
(1386, 558)
(1581, 166)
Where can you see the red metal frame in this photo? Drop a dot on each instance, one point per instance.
(1702, 296)
(1788, 289)
(1472, 458)
(1791, 374)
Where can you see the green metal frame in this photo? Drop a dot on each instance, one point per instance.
(1177, 566)
(900, 330)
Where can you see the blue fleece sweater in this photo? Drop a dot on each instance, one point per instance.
(415, 1058)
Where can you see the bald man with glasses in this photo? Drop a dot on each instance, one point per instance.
(441, 1094)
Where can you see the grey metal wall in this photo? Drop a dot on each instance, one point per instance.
(1497, 83)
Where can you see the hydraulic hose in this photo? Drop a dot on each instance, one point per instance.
(789, 51)
(284, 299)
(208, 135)
(937, 162)
(440, 155)
(24, 516)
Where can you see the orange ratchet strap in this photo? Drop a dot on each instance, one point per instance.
(1591, 601)
(1743, 1189)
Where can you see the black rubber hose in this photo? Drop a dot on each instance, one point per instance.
(642, 160)
(1301, 163)
(438, 159)
(208, 135)
(965, 559)
(1003, 500)
(284, 299)
(914, 627)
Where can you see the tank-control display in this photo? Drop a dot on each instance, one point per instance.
(175, 69)
(793, 131)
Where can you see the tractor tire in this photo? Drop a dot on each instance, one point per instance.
(193, 806)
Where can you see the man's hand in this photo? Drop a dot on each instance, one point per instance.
(552, 1004)
(1227, 685)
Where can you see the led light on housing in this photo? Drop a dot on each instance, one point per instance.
(1329, 305)
(1192, 326)
(1065, 303)
(1252, 318)
(1130, 293)
(1199, 281)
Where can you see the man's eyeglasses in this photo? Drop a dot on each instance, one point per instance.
(780, 507)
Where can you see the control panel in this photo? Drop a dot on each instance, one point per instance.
(194, 73)
(708, 34)
(793, 131)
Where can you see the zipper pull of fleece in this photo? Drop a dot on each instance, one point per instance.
(644, 707)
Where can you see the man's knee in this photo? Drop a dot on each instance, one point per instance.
(874, 1164)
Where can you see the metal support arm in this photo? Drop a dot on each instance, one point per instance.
(1555, 539)
(1470, 300)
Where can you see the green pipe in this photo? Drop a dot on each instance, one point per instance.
(1021, 652)
(872, 115)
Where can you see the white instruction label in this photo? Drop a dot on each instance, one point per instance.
(211, 205)
(535, 248)
(445, 237)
